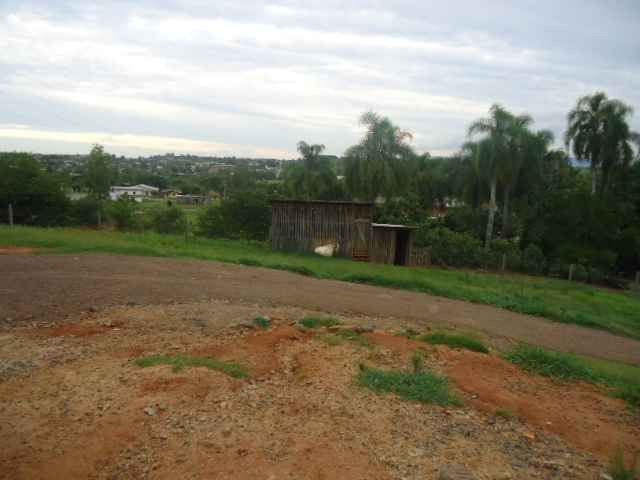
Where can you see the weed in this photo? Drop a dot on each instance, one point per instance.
(317, 322)
(425, 387)
(617, 468)
(180, 362)
(455, 341)
(504, 413)
(630, 393)
(331, 339)
(262, 322)
(355, 338)
(417, 362)
(562, 366)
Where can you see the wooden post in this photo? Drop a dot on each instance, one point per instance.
(10, 215)
(503, 266)
(638, 278)
(99, 219)
(571, 271)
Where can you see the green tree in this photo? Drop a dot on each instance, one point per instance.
(379, 165)
(598, 131)
(99, 172)
(495, 152)
(312, 177)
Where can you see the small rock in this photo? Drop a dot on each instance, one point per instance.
(364, 328)
(455, 472)
(605, 476)
(151, 411)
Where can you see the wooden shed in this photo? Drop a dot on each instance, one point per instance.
(298, 225)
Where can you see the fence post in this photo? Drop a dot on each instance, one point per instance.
(503, 266)
(638, 277)
(10, 215)
(99, 219)
(571, 272)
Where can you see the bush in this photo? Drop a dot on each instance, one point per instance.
(246, 215)
(580, 273)
(451, 248)
(455, 341)
(86, 211)
(169, 220)
(210, 222)
(533, 261)
(123, 214)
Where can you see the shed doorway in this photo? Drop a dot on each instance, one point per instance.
(401, 256)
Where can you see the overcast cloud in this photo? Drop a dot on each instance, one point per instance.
(252, 78)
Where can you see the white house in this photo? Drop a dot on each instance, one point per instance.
(134, 192)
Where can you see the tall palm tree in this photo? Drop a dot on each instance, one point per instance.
(379, 164)
(493, 153)
(313, 177)
(598, 131)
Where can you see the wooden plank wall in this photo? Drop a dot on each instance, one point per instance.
(299, 226)
(383, 245)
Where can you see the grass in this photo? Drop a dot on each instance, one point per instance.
(623, 379)
(504, 413)
(558, 300)
(262, 322)
(317, 322)
(421, 386)
(455, 341)
(180, 362)
(338, 338)
(618, 470)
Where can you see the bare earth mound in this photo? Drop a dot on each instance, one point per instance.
(74, 404)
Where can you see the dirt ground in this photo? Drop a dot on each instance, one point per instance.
(55, 287)
(73, 404)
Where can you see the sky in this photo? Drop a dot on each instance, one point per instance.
(250, 78)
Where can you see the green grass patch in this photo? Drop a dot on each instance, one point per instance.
(504, 413)
(409, 333)
(262, 322)
(455, 341)
(558, 300)
(317, 322)
(422, 386)
(180, 362)
(618, 468)
(623, 379)
(354, 337)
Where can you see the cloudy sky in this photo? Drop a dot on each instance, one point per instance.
(253, 78)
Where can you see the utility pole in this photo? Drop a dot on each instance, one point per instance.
(10, 215)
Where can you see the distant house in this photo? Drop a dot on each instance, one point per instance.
(192, 199)
(171, 193)
(134, 192)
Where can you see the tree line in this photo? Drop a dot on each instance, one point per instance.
(507, 192)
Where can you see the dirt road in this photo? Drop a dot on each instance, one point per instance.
(51, 287)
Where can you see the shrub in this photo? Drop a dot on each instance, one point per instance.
(86, 211)
(455, 341)
(123, 214)
(245, 215)
(618, 470)
(169, 220)
(210, 222)
(451, 248)
(580, 273)
(533, 261)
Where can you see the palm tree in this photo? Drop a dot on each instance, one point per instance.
(493, 153)
(598, 131)
(379, 164)
(313, 177)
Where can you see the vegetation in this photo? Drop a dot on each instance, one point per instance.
(318, 322)
(624, 379)
(455, 341)
(504, 413)
(618, 470)
(180, 362)
(581, 304)
(421, 386)
(99, 172)
(262, 322)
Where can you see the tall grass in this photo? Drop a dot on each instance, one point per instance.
(561, 301)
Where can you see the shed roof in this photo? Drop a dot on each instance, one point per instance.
(393, 227)
(327, 202)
